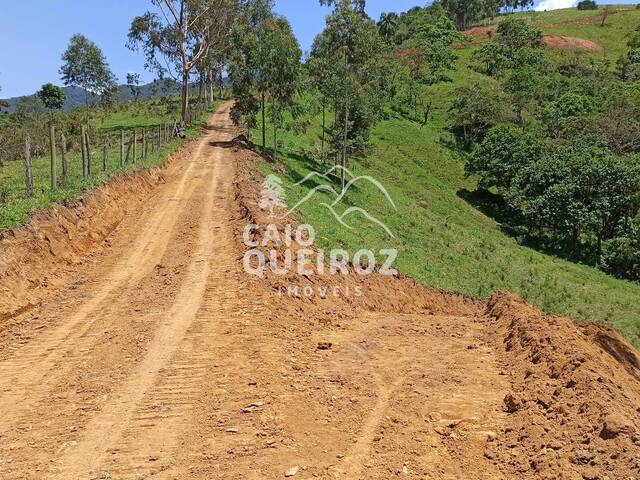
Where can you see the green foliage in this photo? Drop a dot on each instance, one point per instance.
(350, 49)
(52, 96)
(443, 239)
(587, 5)
(621, 255)
(629, 66)
(265, 62)
(579, 192)
(503, 153)
(177, 39)
(133, 82)
(556, 115)
(525, 86)
(516, 45)
(476, 109)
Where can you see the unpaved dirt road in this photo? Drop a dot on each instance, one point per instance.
(160, 360)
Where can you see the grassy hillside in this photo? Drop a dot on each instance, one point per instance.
(571, 22)
(444, 240)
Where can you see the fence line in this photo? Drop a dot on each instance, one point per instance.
(127, 138)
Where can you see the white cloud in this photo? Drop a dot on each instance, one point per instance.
(555, 4)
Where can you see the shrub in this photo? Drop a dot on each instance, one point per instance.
(504, 151)
(621, 255)
(587, 5)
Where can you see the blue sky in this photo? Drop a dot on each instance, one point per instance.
(30, 56)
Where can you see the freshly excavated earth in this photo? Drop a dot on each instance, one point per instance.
(480, 35)
(133, 345)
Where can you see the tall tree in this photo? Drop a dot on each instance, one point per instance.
(388, 26)
(265, 62)
(52, 96)
(85, 66)
(350, 46)
(179, 35)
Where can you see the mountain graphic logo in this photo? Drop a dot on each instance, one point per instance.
(273, 196)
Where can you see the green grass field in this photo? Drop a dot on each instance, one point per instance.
(16, 205)
(444, 240)
(140, 115)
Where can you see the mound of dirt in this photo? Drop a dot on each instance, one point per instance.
(561, 42)
(36, 259)
(574, 409)
(480, 35)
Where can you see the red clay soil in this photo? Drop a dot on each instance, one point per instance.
(560, 42)
(36, 258)
(480, 35)
(150, 353)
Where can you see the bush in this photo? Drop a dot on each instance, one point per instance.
(621, 256)
(587, 5)
(476, 109)
(578, 192)
(504, 151)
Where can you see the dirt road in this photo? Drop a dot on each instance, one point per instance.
(160, 359)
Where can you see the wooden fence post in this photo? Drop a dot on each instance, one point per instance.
(135, 147)
(129, 145)
(27, 166)
(86, 138)
(144, 143)
(85, 169)
(122, 148)
(105, 155)
(65, 159)
(52, 140)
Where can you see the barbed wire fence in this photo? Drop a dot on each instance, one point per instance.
(93, 147)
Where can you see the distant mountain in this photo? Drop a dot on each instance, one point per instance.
(76, 96)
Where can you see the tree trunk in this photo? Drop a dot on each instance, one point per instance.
(135, 147)
(27, 166)
(275, 136)
(185, 95)
(65, 159)
(144, 144)
(105, 156)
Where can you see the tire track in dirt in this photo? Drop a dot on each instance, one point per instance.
(131, 407)
(353, 463)
(47, 351)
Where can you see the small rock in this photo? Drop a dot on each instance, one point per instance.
(511, 404)
(324, 345)
(614, 425)
(232, 430)
(292, 471)
(491, 436)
